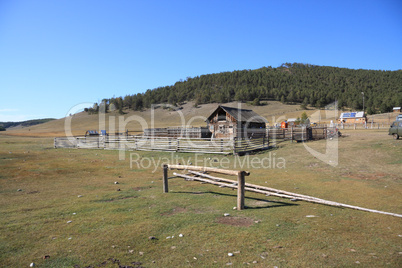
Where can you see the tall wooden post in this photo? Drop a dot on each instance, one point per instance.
(165, 179)
(240, 190)
(291, 133)
(234, 145)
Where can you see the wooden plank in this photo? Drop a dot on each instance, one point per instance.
(284, 194)
(208, 169)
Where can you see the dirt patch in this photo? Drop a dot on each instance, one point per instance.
(236, 221)
(174, 211)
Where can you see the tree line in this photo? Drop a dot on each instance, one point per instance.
(27, 123)
(292, 83)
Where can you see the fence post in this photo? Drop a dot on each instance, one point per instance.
(55, 143)
(165, 179)
(177, 145)
(291, 133)
(234, 145)
(240, 190)
(221, 145)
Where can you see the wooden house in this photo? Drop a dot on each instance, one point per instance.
(228, 122)
(352, 118)
(397, 109)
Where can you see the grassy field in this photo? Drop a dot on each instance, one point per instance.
(64, 203)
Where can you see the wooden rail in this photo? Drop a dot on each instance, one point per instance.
(240, 178)
(144, 143)
(242, 186)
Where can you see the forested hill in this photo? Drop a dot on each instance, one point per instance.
(4, 125)
(290, 83)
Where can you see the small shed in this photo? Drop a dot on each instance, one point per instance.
(352, 118)
(397, 109)
(292, 122)
(229, 122)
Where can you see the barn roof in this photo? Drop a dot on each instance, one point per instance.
(352, 115)
(241, 115)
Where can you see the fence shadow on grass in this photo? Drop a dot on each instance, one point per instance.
(270, 204)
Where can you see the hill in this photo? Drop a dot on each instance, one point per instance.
(290, 83)
(27, 123)
(136, 121)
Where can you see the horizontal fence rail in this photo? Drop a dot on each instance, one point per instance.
(197, 145)
(146, 143)
(302, 133)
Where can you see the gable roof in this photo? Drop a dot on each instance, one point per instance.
(352, 115)
(241, 115)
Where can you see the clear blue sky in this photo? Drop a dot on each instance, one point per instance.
(57, 54)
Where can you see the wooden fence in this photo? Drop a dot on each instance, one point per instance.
(178, 132)
(302, 133)
(198, 173)
(239, 184)
(144, 143)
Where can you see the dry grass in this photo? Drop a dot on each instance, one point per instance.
(116, 224)
(81, 122)
(274, 111)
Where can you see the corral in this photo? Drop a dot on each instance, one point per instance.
(147, 143)
(184, 140)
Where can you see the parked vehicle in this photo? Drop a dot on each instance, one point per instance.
(399, 117)
(396, 129)
(91, 133)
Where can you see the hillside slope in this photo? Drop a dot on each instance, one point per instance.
(137, 120)
(312, 85)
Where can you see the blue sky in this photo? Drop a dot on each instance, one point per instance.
(57, 54)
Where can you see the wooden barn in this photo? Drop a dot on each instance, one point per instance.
(228, 122)
(352, 118)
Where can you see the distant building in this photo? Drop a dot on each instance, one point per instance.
(228, 122)
(352, 118)
(291, 122)
(397, 109)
